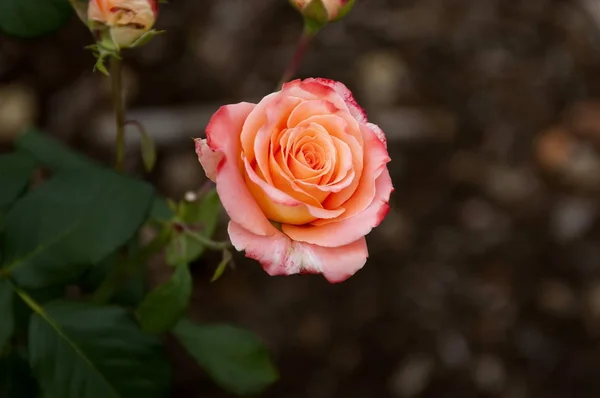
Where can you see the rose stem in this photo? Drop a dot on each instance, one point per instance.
(291, 68)
(117, 94)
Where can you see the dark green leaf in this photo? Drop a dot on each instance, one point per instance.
(129, 294)
(66, 224)
(15, 172)
(50, 151)
(160, 210)
(162, 308)
(236, 359)
(7, 319)
(31, 18)
(79, 350)
(16, 380)
(201, 216)
(22, 311)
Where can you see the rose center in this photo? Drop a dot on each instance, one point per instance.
(312, 155)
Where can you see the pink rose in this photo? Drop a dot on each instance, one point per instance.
(303, 176)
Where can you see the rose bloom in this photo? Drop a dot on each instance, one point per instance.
(128, 20)
(303, 176)
(333, 6)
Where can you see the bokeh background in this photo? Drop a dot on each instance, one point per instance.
(483, 281)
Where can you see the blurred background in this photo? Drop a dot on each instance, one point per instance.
(483, 281)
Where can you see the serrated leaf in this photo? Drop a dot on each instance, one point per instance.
(236, 359)
(70, 222)
(7, 319)
(201, 216)
(51, 152)
(31, 18)
(80, 350)
(164, 306)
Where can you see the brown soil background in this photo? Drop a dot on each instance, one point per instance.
(484, 280)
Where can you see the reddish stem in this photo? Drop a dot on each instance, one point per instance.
(292, 66)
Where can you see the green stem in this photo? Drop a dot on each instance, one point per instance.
(117, 95)
(211, 244)
(122, 272)
(292, 67)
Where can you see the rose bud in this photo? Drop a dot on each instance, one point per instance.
(323, 11)
(126, 21)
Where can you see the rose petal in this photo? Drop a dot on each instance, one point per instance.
(254, 122)
(345, 93)
(208, 158)
(378, 132)
(281, 207)
(376, 156)
(347, 231)
(222, 135)
(276, 118)
(325, 89)
(279, 255)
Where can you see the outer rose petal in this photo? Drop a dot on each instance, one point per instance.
(348, 230)
(223, 135)
(279, 255)
(208, 158)
(344, 92)
(329, 90)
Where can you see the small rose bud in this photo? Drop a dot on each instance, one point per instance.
(323, 11)
(126, 21)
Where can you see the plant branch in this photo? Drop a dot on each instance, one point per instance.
(301, 47)
(209, 243)
(116, 77)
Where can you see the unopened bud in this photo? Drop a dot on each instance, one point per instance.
(320, 12)
(120, 23)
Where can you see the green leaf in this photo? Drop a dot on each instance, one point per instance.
(236, 359)
(31, 18)
(222, 266)
(147, 146)
(79, 350)
(162, 307)
(160, 210)
(73, 220)
(52, 152)
(148, 152)
(129, 294)
(15, 172)
(7, 319)
(203, 216)
(22, 312)
(16, 380)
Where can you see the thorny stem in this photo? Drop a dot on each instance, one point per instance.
(292, 67)
(117, 94)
